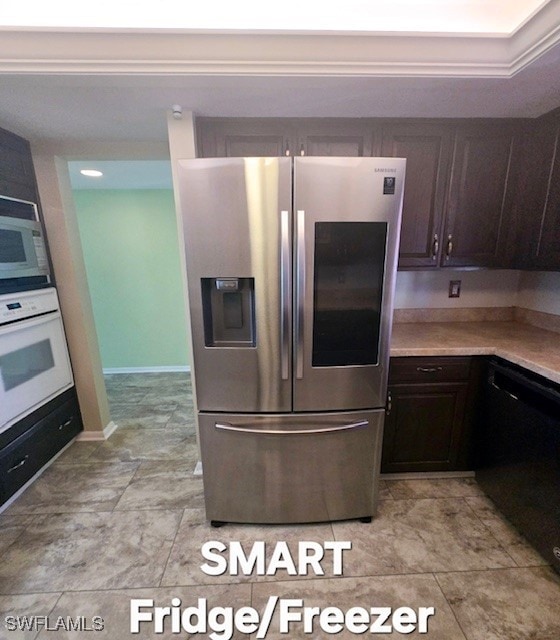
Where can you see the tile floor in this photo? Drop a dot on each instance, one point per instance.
(124, 519)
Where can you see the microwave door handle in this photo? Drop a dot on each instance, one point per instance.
(300, 290)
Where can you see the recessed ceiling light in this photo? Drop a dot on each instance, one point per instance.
(91, 173)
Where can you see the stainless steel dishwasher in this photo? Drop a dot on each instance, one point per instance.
(519, 453)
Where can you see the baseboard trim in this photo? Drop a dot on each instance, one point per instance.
(177, 369)
(428, 475)
(96, 436)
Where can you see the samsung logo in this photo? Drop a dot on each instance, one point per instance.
(386, 171)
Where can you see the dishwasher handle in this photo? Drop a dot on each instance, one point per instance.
(524, 388)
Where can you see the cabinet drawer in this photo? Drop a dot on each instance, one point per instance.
(425, 369)
(24, 456)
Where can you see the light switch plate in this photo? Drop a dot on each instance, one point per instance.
(454, 288)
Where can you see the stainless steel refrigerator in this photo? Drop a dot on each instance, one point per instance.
(291, 266)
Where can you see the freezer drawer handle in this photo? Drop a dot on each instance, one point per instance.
(227, 426)
(18, 465)
(429, 369)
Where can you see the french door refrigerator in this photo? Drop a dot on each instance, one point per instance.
(291, 265)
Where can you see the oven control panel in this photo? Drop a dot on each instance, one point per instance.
(27, 304)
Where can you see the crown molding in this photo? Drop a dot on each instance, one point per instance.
(128, 52)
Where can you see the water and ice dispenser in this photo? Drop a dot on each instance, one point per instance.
(229, 311)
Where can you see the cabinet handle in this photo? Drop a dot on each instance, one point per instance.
(449, 248)
(389, 403)
(429, 369)
(435, 246)
(65, 424)
(19, 464)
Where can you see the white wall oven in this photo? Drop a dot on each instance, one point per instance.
(34, 361)
(23, 255)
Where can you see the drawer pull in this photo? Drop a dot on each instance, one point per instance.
(429, 369)
(19, 464)
(65, 424)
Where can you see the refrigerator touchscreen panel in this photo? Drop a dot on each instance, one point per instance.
(348, 286)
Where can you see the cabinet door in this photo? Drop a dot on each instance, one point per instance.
(334, 137)
(546, 251)
(423, 427)
(245, 137)
(427, 149)
(532, 204)
(17, 177)
(478, 219)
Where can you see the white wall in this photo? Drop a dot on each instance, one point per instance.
(540, 291)
(429, 289)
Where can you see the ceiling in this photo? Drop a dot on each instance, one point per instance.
(102, 93)
(431, 16)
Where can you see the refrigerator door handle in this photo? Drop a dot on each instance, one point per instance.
(227, 426)
(300, 283)
(285, 311)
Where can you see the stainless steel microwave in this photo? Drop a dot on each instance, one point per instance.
(23, 256)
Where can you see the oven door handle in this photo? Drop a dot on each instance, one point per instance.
(18, 325)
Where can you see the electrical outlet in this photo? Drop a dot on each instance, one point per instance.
(454, 288)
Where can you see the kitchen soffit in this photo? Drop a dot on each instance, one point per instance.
(496, 40)
(92, 91)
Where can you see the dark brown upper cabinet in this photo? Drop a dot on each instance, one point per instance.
(478, 194)
(537, 201)
(334, 137)
(245, 137)
(427, 149)
(17, 177)
(477, 230)
(239, 137)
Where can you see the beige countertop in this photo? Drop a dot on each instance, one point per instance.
(523, 344)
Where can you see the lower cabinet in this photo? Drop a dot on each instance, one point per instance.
(37, 438)
(430, 411)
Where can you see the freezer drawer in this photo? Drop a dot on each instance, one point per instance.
(291, 468)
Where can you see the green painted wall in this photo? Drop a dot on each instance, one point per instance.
(131, 252)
